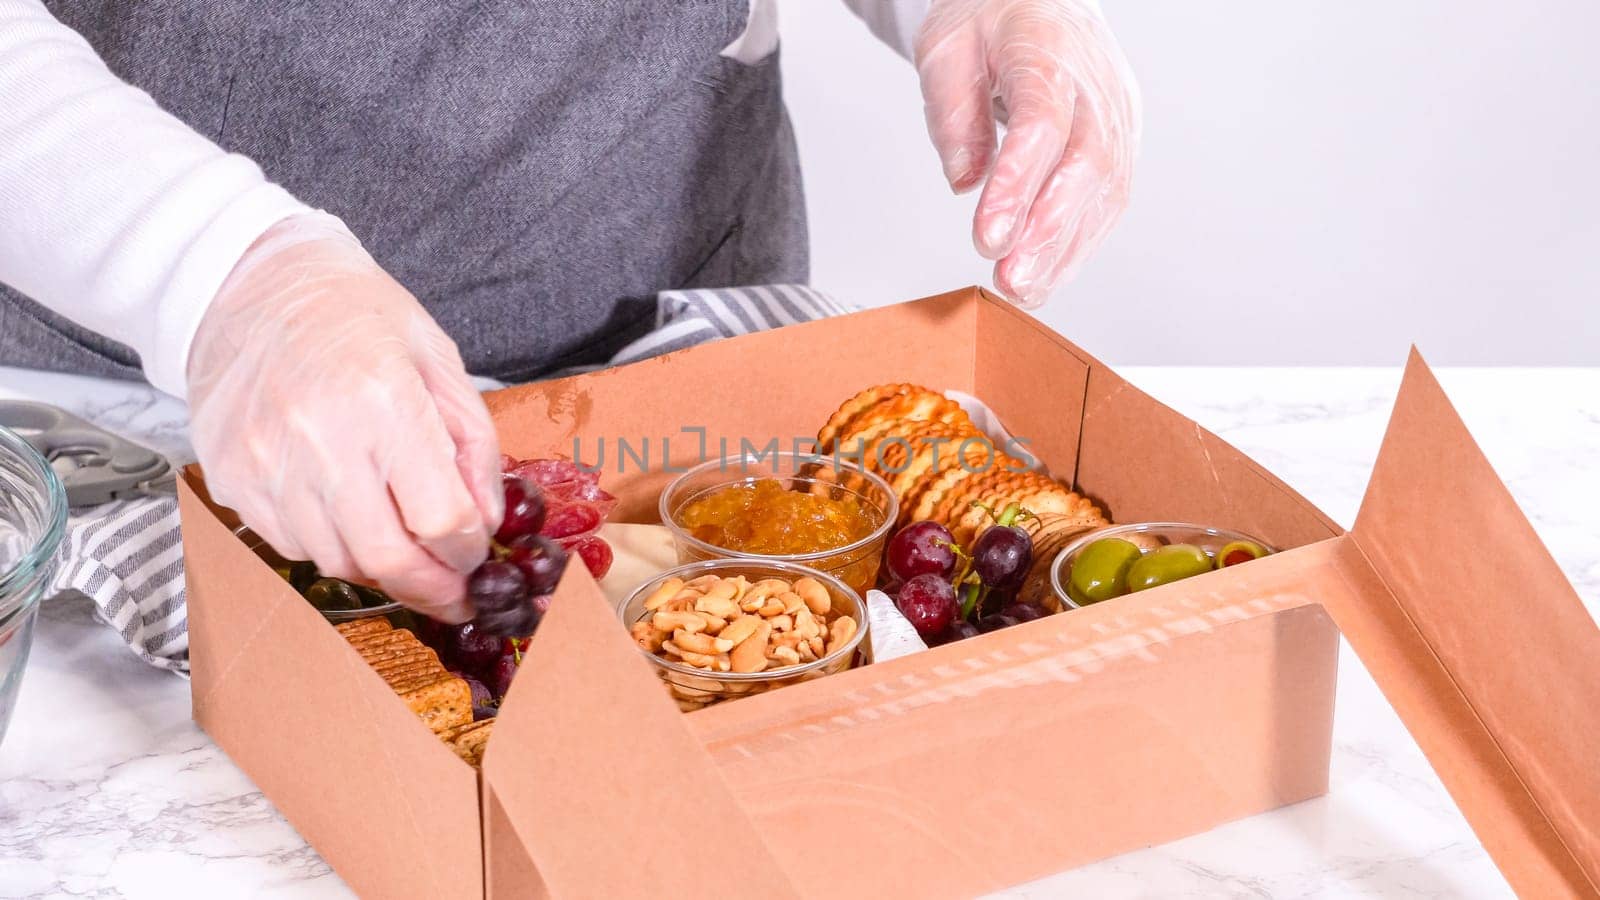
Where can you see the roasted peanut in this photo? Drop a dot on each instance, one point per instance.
(722, 607)
(787, 656)
(740, 628)
(815, 594)
(750, 655)
(701, 643)
(714, 624)
(672, 621)
(792, 602)
(805, 624)
(703, 583)
(646, 636)
(818, 648)
(840, 633)
(664, 592)
(774, 607)
(782, 623)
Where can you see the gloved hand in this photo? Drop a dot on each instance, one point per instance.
(1053, 73)
(334, 416)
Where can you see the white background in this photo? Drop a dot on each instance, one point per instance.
(1322, 181)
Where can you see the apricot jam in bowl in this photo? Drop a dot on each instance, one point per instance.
(818, 511)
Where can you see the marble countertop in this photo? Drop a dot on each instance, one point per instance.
(108, 789)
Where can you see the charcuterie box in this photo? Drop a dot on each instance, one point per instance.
(969, 766)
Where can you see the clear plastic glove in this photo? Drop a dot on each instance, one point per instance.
(1053, 73)
(334, 416)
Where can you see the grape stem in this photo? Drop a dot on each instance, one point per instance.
(970, 602)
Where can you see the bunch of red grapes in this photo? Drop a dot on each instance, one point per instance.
(948, 594)
(554, 509)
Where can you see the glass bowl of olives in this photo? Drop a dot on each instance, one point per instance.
(1126, 559)
(337, 600)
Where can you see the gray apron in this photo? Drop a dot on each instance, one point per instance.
(533, 170)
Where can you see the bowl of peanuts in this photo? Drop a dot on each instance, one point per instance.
(727, 628)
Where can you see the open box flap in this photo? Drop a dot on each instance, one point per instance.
(316, 728)
(1484, 649)
(570, 772)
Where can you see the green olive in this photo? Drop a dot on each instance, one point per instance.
(332, 595)
(1173, 562)
(1101, 571)
(1235, 552)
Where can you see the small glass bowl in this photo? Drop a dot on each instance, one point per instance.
(855, 564)
(1148, 535)
(695, 688)
(261, 548)
(33, 518)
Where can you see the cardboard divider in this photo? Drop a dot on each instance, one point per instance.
(594, 767)
(1111, 711)
(317, 729)
(1481, 645)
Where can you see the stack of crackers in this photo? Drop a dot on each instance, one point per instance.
(939, 464)
(442, 700)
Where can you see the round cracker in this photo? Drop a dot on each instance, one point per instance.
(934, 447)
(854, 406)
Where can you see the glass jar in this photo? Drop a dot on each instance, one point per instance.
(33, 517)
(828, 477)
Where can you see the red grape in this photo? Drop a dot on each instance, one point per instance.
(596, 555)
(479, 713)
(929, 603)
(1002, 556)
(541, 605)
(524, 509)
(541, 560)
(505, 669)
(571, 520)
(472, 648)
(921, 548)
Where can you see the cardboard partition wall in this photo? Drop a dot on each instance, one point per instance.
(1077, 736)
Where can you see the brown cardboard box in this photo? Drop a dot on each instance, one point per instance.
(1148, 717)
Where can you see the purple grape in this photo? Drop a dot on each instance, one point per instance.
(959, 630)
(519, 621)
(1023, 612)
(473, 648)
(995, 623)
(524, 509)
(480, 691)
(479, 713)
(541, 560)
(929, 603)
(496, 586)
(541, 604)
(1002, 556)
(921, 548)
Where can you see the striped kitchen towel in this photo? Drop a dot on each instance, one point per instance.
(127, 556)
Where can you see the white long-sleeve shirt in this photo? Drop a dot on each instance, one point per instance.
(115, 214)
